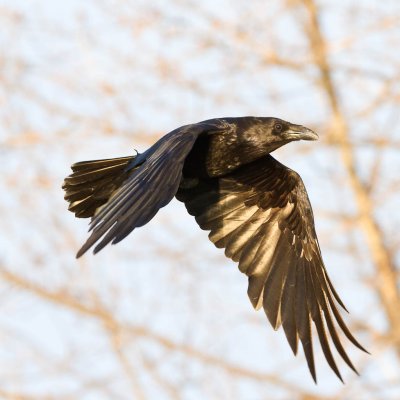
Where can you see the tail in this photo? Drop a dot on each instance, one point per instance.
(93, 182)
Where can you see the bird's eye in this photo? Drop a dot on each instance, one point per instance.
(278, 127)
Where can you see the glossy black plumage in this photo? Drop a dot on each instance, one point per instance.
(253, 206)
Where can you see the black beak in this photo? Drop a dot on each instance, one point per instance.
(299, 132)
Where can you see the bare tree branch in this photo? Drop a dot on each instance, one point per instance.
(388, 281)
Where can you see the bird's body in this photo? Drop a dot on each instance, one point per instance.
(253, 206)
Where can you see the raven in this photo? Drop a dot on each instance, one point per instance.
(254, 207)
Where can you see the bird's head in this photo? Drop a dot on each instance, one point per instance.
(272, 133)
(287, 131)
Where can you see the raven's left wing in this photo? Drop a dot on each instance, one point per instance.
(152, 179)
(261, 214)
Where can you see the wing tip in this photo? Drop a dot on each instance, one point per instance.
(81, 252)
(313, 374)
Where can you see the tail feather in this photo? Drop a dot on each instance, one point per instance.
(92, 183)
(96, 164)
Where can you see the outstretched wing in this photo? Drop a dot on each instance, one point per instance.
(151, 183)
(262, 216)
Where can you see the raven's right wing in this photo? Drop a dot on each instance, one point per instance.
(151, 184)
(261, 214)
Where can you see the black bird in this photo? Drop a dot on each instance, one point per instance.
(254, 207)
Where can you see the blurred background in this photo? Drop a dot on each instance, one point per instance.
(164, 315)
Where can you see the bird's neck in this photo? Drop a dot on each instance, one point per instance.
(228, 151)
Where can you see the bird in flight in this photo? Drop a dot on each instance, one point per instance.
(255, 208)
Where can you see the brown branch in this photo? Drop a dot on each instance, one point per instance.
(387, 281)
(64, 299)
(13, 395)
(115, 334)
